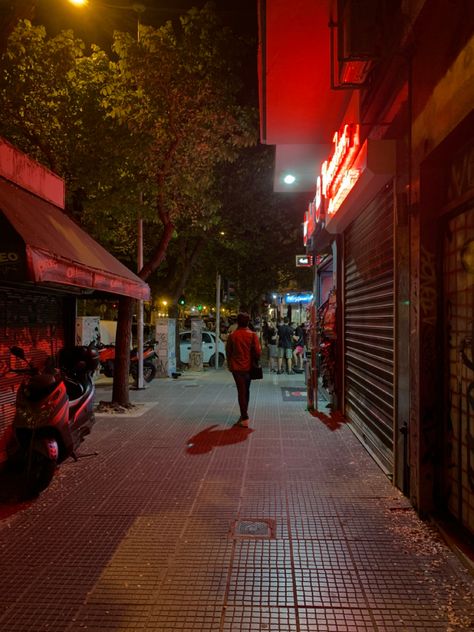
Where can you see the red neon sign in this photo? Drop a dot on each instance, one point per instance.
(318, 201)
(337, 173)
(305, 228)
(314, 214)
(311, 223)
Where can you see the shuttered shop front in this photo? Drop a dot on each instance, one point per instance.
(35, 323)
(369, 327)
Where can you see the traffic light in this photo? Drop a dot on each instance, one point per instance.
(228, 293)
(182, 300)
(231, 294)
(199, 308)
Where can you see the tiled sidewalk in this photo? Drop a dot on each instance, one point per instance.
(182, 522)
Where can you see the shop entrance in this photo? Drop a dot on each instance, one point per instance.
(369, 322)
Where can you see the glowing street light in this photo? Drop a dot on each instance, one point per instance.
(137, 7)
(289, 178)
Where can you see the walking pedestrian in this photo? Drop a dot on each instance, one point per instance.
(285, 346)
(242, 351)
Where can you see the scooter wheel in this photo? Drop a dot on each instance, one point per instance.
(149, 371)
(39, 469)
(109, 368)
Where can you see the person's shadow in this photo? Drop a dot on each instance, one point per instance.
(215, 437)
(333, 421)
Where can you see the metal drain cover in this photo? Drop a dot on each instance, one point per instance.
(254, 528)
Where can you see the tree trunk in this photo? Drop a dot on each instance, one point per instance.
(120, 391)
(160, 251)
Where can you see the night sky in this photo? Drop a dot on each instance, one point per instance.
(96, 23)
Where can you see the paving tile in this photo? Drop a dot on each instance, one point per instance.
(197, 553)
(251, 619)
(260, 587)
(359, 527)
(126, 584)
(336, 620)
(202, 617)
(192, 586)
(394, 587)
(316, 527)
(372, 555)
(146, 543)
(412, 618)
(158, 528)
(323, 554)
(262, 554)
(329, 588)
(47, 617)
(114, 617)
(202, 527)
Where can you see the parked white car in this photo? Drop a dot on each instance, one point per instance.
(208, 348)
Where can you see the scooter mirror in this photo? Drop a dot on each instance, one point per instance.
(18, 352)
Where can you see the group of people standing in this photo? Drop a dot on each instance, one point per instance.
(286, 345)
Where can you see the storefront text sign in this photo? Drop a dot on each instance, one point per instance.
(314, 214)
(304, 261)
(338, 174)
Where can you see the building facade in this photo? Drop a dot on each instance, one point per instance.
(388, 166)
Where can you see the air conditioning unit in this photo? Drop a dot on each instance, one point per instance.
(358, 41)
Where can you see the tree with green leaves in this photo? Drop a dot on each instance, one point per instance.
(156, 121)
(51, 105)
(176, 90)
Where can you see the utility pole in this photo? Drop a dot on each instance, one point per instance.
(140, 380)
(139, 9)
(218, 318)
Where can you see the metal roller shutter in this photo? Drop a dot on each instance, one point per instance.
(35, 323)
(369, 327)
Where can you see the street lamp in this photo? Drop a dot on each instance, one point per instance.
(137, 7)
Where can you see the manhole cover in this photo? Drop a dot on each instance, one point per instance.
(254, 528)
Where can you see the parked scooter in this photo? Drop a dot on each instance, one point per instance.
(107, 360)
(54, 412)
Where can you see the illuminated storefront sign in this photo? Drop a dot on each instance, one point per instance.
(350, 178)
(318, 201)
(314, 214)
(304, 261)
(305, 297)
(305, 228)
(338, 174)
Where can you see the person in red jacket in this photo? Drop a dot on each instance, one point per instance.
(242, 351)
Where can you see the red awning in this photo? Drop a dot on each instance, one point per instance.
(59, 251)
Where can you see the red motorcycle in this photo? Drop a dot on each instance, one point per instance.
(107, 361)
(54, 412)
